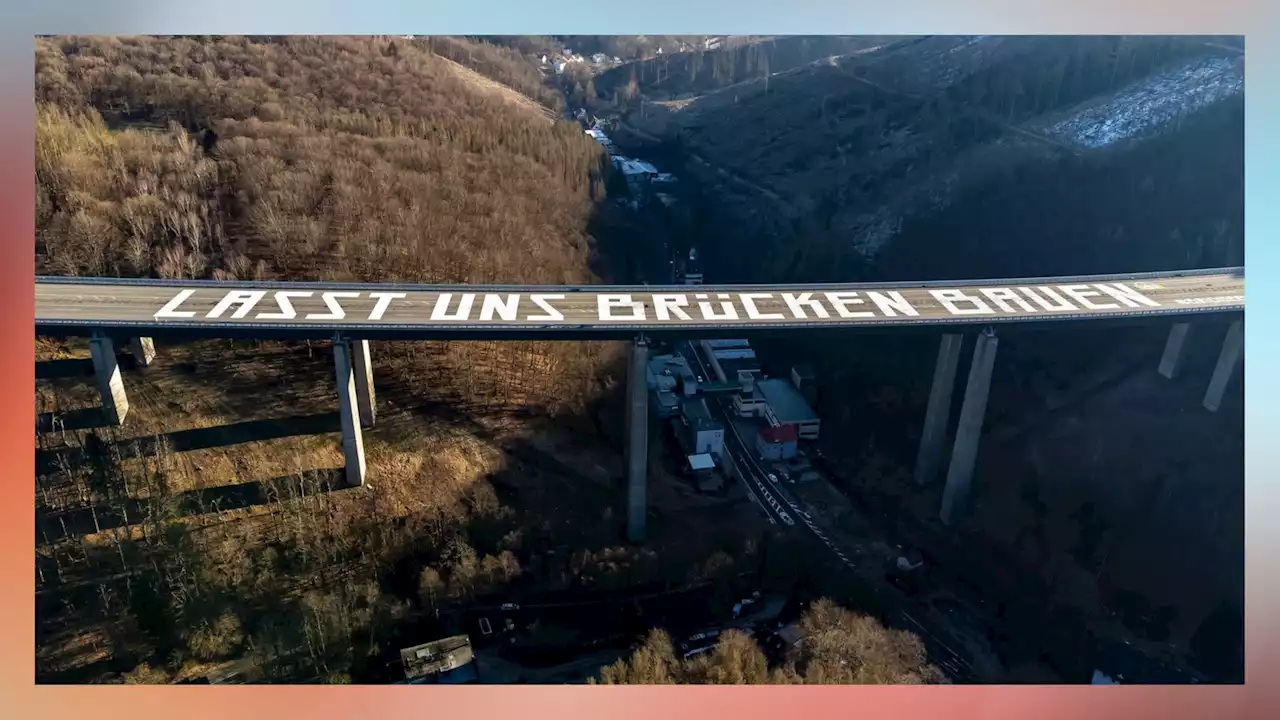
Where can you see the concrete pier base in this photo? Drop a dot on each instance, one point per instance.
(1175, 349)
(964, 455)
(352, 436)
(144, 350)
(1228, 359)
(933, 438)
(106, 373)
(637, 454)
(365, 398)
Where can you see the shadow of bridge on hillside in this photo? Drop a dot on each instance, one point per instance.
(76, 522)
(97, 452)
(51, 460)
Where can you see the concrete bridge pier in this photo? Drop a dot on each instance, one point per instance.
(938, 414)
(106, 373)
(365, 398)
(1175, 349)
(348, 404)
(637, 428)
(144, 350)
(964, 455)
(1228, 359)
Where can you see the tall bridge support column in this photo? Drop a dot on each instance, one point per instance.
(964, 455)
(1175, 349)
(352, 436)
(144, 350)
(637, 454)
(933, 438)
(1232, 347)
(365, 398)
(106, 373)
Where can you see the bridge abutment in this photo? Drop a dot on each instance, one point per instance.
(934, 436)
(352, 435)
(1228, 359)
(365, 398)
(106, 373)
(637, 429)
(144, 350)
(964, 454)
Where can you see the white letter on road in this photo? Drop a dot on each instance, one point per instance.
(667, 305)
(840, 301)
(1082, 293)
(1003, 296)
(727, 310)
(246, 299)
(606, 302)
(749, 303)
(441, 310)
(170, 309)
(949, 298)
(1061, 306)
(331, 301)
(892, 301)
(494, 304)
(287, 312)
(384, 301)
(797, 302)
(552, 314)
(1126, 295)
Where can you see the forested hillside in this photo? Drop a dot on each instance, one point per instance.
(206, 529)
(835, 647)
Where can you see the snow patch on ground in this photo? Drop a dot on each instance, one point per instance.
(1147, 106)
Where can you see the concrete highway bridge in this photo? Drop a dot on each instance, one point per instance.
(116, 310)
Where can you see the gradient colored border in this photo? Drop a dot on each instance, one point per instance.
(20, 698)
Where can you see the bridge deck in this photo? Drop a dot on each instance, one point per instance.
(82, 306)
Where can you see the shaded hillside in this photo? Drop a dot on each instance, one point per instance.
(857, 149)
(671, 76)
(946, 157)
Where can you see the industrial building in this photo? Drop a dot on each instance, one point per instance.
(785, 406)
(664, 404)
(704, 433)
(669, 379)
(728, 358)
(777, 443)
(448, 661)
(748, 401)
(805, 380)
(701, 469)
(638, 174)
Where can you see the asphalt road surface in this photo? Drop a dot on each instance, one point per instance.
(81, 306)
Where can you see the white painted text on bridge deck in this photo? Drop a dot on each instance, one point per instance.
(695, 307)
